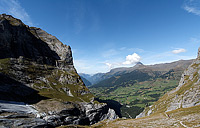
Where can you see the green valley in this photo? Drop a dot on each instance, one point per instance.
(139, 88)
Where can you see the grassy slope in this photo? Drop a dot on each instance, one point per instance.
(52, 88)
(190, 84)
(177, 118)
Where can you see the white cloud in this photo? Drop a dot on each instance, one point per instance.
(109, 65)
(13, 7)
(132, 59)
(178, 51)
(192, 6)
(192, 10)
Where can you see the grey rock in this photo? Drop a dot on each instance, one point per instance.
(17, 107)
(68, 92)
(71, 120)
(14, 44)
(36, 60)
(98, 112)
(63, 51)
(111, 115)
(53, 120)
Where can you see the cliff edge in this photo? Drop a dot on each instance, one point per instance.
(37, 69)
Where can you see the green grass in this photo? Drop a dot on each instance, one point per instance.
(5, 65)
(140, 94)
(55, 88)
(46, 79)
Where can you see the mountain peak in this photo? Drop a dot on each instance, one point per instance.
(11, 20)
(18, 39)
(37, 68)
(139, 63)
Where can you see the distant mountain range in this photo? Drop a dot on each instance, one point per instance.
(93, 79)
(163, 67)
(138, 86)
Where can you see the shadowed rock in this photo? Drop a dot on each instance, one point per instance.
(12, 90)
(35, 65)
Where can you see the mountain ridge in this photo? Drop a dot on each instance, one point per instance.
(179, 107)
(141, 86)
(186, 94)
(37, 69)
(139, 65)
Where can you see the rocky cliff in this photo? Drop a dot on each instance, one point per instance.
(36, 68)
(187, 94)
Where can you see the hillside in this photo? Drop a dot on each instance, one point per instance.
(181, 118)
(37, 69)
(96, 78)
(140, 87)
(177, 108)
(185, 95)
(86, 82)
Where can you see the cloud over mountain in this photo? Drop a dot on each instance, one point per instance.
(132, 59)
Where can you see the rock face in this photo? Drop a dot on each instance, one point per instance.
(187, 94)
(36, 68)
(63, 51)
(17, 39)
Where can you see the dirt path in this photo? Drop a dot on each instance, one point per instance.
(181, 122)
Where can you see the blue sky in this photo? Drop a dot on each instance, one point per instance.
(105, 34)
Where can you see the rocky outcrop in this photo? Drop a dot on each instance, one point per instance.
(63, 51)
(187, 94)
(18, 39)
(97, 112)
(18, 114)
(36, 68)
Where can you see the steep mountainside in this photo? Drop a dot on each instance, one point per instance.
(179, 108)
(187, 94)
(36, 68)
(141, 86)
(86, 82)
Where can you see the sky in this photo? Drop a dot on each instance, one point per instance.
(106, 34)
